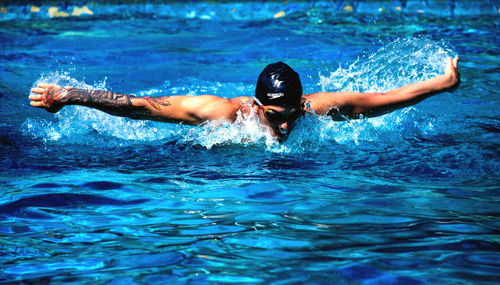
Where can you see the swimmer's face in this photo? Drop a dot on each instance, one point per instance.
(279, 119)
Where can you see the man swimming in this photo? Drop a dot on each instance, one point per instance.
(278, 101)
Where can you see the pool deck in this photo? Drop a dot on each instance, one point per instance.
(282, 8)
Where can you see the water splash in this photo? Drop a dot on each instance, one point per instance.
(246, 130)
(398, 63)
(193, 86)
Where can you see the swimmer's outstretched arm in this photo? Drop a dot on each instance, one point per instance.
(353, 104)
(191, 110)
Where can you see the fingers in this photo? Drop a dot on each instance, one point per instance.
(451, 65)
(37, 90)
(453, 62)
(38, 104)
(44, 85)
(37, 101)
(449, 61)
(36, 97)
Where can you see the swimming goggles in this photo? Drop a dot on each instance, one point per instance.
(287, 115)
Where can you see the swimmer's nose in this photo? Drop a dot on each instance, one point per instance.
(284, 126)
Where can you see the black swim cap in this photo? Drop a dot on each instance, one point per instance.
(279, 85)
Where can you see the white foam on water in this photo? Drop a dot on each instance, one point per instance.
(246, 130)
(400, 62)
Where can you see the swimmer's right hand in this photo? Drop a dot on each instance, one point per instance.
(48, 96)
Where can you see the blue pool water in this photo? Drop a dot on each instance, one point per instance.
(411, 197)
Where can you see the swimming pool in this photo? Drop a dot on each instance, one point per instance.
(408, 198)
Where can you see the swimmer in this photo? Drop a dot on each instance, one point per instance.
(278, 101)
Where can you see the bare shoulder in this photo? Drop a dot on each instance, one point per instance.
(241, 101)
(229, 108)
(209, 107)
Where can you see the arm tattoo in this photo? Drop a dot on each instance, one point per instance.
(109, 102)
(156, 102)
(93, 97)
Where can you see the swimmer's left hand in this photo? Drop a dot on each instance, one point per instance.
(451, 74)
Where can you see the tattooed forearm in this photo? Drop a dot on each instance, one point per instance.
(92, 97)
(109, 102)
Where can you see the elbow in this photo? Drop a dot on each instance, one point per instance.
(368, 104)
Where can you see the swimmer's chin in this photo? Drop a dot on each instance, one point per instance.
(281, 138)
